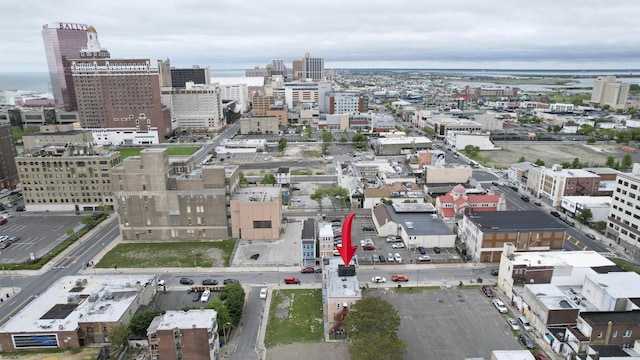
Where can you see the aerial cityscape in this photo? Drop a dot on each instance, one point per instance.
(328, 199)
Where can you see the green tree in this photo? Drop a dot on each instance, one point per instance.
(591, 140)
(119, 335)
(318, 195)
(371, 317)
(471, 151)
(327, 136)
(243, 180)
(141, 321)
(584, 216)
(387, 347)
(600, 225)
(223, 315)
(69, 232)
(611, 162)
(16, 133)
(557, 128)
(539, 162)
(282, 144)
(576, 164)
(522, 159)
(234, 302)
(344, 139)
(386, 201)
(359, 141)
(627, 163)
(87, 220)
(268, 179)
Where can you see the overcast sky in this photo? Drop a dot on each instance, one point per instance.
(237, 34)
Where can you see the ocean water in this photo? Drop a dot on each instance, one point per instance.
(27, 81)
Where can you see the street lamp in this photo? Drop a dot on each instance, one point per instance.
(224, 332)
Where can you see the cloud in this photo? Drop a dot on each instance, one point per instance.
(243, 33)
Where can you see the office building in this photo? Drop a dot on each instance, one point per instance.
(606, 91)
(312, 68)
(62, 43)
(191, 335)
(62, 170)
(170, 199)
(8, 170)
(195, 106)
(624, 216)
(236, 92)
(118, 93)
(345, 102)
(259, 125)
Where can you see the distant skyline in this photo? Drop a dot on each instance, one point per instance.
(239, 34)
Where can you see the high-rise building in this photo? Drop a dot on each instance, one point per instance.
(118, 93)
(622, 224)
(178, 78)
(63, 42)
(606, 91)
(8, 170)
(195, 107)
(313, 67)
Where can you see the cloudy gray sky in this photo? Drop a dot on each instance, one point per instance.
(236, 34)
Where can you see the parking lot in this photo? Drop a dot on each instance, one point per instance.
(450, 324)
(38, 234)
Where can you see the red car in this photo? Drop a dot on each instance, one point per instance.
(399, 277)
(308, 270)
(486, 289)
(368, 247)
(540, 357)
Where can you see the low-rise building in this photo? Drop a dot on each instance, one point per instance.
(342, 290)
(400, 145)
(76, 311)
(457, 202)
(259, 125)
(256, 212)
(308, 243)
(552, 184)
(283, 176)
(191, 334)
(325, 240)
(598, 205)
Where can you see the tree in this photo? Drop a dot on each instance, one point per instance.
(539, 162)
(268, 179)
(234, 302)
(327, 136)
(243, 180)
(119, 335)
(611, 162)
(386, 201)
(522, 159)
(627, 163)
(584, 216)
(141, 321)
(576, 164)
(387, 347)
(591, 140)
(359, 140)
(282, 144)
(317, 196)
(371, 317)
(223, 315)
(87, 220)
(557, 128)
(471, 151)
(600, 225)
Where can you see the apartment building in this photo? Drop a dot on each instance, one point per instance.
(195, 106)
(236, 92)
(171, 199)
(345, 102)
(308, 243)
(62, 170)
(606, 91)
(8, 171)
(551, 184)
(624, 216)
(178, 335)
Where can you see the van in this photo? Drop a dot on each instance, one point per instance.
(524, 323)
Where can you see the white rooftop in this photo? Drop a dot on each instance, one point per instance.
(249, 81)
(341, 287)
(561, 258)
(618, 284)
(605, 200)
(74, 299)
(194, 318)
(404, 140)
(258, 193)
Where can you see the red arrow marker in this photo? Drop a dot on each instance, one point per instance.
(346, 250)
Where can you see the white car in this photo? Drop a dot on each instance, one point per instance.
(397, 257)
(378, 279)
(263, 293)
(399, 245)
(514, 324)
(391, 239)
(365, 242)
(500, 306)
(6, 215)
(390, 258)
(205, 296)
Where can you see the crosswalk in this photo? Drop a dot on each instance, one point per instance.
(608, 254)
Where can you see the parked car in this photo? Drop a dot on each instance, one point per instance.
(295, 188)
(378, 279)
(5, 244)
(3, 221)
(399, 277)
(399, 245)
(540, 357)
(368, 247)
(263, 293)
(513, 324)
(195, 296)
(537, 203)
(555, 214)
(390, 258)
(437, 250)
(524, 198)
(397, 257)
(368, 228)
(186, 281)
(527, 341)
(487, 290)
(5, 214)
(569, 222)
(524, 322)
(291, 280)
(205, 296)
(209, 282)
(391, 239)
(318, 270)
(591, 236)
(230, 281)
(495, 272)
(308, 270)
(382, 258)
(422, 250)
(424, 258)
(375, 258)
(500, 306)
(336, 252)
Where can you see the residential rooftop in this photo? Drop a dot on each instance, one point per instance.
(505, 221)
(340, 286)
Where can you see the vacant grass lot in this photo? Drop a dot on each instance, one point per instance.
(294, 316)
(184, 254)
(173, 151)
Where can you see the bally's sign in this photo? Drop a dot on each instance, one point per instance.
(69, 26)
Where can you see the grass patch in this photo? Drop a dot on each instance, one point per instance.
(312, 153)
(302, 172)
(415, 289)
(294, 316)
(149, 255)
(126, 152)
(626, 265)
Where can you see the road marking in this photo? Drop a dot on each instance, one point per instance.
(608, 254)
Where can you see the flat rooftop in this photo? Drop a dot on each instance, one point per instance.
(193, 318)
(97, 298)
(258, 193)
(586, 259)
(420, 221)
(617, 284)
(340, 286)
(504, 221)
(404, 140)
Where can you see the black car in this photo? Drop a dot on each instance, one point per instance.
(230, 281)
(422, 250)
(437, 250)
(295, 188)
(186, 281)
(209, 282)
(195, 296)
(494, 272)
(382, 258)
(368, 228)
(527, 341)
(555, 214)
(20, 208)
